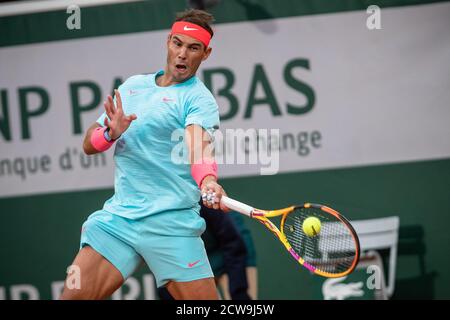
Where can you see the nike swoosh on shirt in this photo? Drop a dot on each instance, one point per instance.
(167, 99)
(186, 28)
(190, 265)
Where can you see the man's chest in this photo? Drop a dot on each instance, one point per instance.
(158, 112)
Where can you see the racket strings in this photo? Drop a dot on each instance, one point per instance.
(333, 250)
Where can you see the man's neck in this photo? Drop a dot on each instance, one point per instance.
(166, 79)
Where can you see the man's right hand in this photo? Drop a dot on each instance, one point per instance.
(118, 122)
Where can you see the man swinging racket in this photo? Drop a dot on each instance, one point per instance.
(153, 216)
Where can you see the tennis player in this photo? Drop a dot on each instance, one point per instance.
(153, 216)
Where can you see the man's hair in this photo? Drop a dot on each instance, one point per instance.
(199, 17)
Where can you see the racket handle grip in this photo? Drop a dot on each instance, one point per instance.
(237, 206)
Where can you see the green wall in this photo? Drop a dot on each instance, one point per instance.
(159, 14)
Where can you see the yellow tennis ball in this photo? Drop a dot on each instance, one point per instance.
(311, 226)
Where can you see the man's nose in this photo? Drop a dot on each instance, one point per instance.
(182, 53)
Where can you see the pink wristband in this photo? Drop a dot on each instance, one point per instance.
(98, 140)
(201, 170)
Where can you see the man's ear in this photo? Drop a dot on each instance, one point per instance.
(207, 53)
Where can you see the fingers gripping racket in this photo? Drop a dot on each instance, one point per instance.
(317, 237)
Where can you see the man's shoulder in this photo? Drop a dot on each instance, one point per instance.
(138, 80)
(200, 90)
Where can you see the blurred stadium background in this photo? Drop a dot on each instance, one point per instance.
(361, 98)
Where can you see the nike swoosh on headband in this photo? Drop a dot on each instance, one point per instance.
(186, 28)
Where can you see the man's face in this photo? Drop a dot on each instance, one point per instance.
(184, 56)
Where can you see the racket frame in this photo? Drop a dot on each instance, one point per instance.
(264, 215)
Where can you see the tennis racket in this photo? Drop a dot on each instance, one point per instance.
(329, 248)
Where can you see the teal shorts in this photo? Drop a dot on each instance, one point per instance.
(128, 243)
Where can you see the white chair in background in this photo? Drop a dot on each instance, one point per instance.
(380, 234)
(374, 235)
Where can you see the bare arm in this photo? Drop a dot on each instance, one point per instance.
(199, 144)
(200, 148)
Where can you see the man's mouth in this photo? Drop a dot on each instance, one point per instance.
(181, 67)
